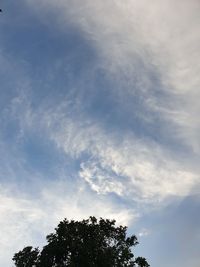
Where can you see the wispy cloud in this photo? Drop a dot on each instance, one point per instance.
(134, 38)
(126, 43)
(137, 168)
(116, 103)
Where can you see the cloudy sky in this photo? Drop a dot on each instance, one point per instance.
(99, 115)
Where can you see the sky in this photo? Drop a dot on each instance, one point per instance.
(99, 115)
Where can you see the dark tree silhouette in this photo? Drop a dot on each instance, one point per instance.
(27, 257)
(86, 243)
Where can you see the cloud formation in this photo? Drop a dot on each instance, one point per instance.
(100, 106)
(134, 38)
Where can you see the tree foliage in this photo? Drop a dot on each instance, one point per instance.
(86, 243)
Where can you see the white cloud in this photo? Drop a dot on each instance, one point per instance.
(127, 34)
(135, 37)
(134, 40)
(135, 168)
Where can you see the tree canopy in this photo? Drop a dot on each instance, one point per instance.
(86, 243)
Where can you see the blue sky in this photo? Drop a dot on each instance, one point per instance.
(99, 115)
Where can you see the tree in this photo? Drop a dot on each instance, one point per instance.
(86, 243)
(27, 257)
